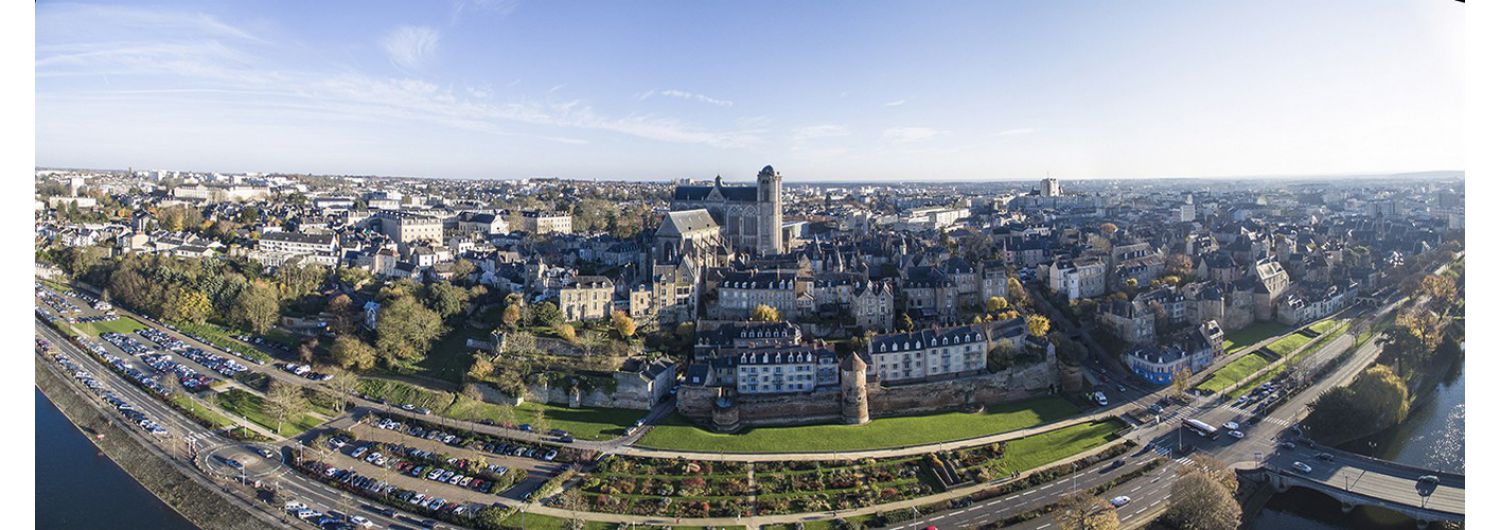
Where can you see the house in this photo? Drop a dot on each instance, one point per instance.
(587, 298)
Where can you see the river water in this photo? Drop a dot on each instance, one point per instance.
(1431, 437)
(79, 487)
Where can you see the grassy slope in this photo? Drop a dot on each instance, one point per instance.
(1042, 449)
(881, 433)
(1234, 372)
(252, 407)
(1252, 334)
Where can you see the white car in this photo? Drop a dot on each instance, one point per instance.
(1302, 467)
(1236, 434)
(1233, 426)
(1120, 501)
(361, 521)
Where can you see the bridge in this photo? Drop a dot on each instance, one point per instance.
(1357, 480)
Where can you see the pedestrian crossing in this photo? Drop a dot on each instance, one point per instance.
(1167, 452)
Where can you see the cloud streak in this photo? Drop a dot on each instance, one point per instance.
(688, 96)
(411, 47)
(896, 103)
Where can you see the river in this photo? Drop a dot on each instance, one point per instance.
(79, 487)
(1432, 436)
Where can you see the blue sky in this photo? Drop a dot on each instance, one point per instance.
(822, 90)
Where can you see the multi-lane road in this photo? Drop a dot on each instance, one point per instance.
(184, 432)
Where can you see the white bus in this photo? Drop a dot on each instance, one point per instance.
(1203, 429)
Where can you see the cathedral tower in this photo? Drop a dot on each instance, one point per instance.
(768, 187)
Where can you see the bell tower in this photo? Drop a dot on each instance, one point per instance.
(768, 190)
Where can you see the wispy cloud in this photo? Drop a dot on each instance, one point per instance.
(689, 96)
(896, 103)
(908, 134)
(493, 7)
(411, 47)
(812, 132)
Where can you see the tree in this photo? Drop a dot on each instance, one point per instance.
(623, 324)
(185, 305)
(297, 280)
(257, 307)
(405, 331)
(1180, 380)
(511, 315)
(447, 299)
(1016, 292)
(353, 277)
(343, 384)
(996, 304)
(481, 368)
(1377, 399)
(344, 315)
(539, 421)
(351, 353)
(999, 358)
(566, 332)
(1201, 502)
(1038, 325)
(1081, 511)
(520, 343)
(285, 401)
(546, 315)
(905, 323)
(462, 269)
(1108, 229)
(306, 349)
(765, 313)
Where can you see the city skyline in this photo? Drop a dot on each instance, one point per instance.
(515, 89)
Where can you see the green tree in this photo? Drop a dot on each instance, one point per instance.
(546, 315)
(1377, 399)
(765, 313)
(447, 299)
(405, 330)
(344, 316)
(351, 353)
(352, 277)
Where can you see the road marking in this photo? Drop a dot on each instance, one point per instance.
(1137, 488)
(1028, 493)
(1043, 526)
(1012, 497)
(1048, 486)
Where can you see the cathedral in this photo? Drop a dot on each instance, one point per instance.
(749, 217)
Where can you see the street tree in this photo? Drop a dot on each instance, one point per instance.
(1201, 502)
(285, 401)
(343, 384)
(1081, 511)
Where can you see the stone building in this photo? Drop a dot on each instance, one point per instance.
(588, 298)
(749, 217)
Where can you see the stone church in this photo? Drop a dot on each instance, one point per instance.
(749, 217)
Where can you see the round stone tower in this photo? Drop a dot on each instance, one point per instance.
(856, 409)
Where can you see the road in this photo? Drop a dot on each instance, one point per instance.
(185, 433)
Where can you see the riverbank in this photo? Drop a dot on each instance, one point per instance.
(193, 500)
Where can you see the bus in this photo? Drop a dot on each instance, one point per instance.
(1203, 429)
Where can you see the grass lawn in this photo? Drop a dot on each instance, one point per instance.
(201, 411)
(537, 521)
(449, 359)
(252, 407)
(1234, 372)
(819, 525)
(398, 393)
(125, 325)
(582, 423)
(1042, 449)
(1288, 344)
(678, 433)
(1256, 332)
(1322, 326)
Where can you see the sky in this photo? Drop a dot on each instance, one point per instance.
(836, 90)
